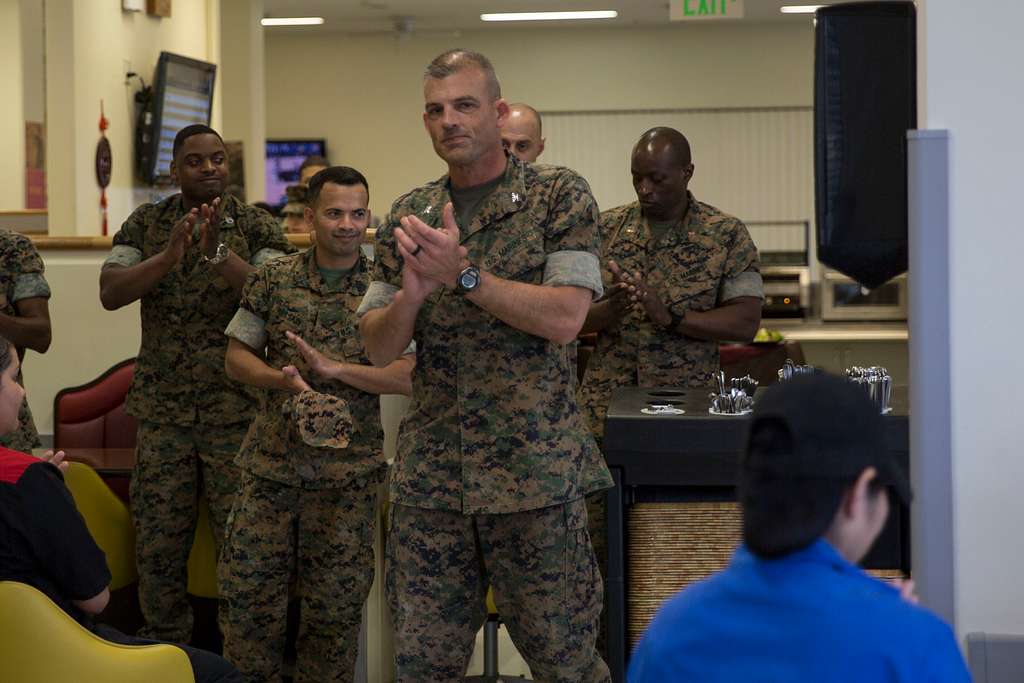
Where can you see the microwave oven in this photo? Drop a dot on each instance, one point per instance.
(843, 298)
(787, 291)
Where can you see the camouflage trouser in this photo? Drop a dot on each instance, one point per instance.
(172, 463)
(322, 539)
(545, 581)
(597, 524)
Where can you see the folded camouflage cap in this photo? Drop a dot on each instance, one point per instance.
(323, 421)
(296, 203)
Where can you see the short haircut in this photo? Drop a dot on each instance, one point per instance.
(452, 61)
(314, 160)
(187, 132)
(536, 114)
(339, 175)
(6, 348)
(783, 514)
(669, 139)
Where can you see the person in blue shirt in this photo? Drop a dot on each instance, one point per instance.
(792, 605)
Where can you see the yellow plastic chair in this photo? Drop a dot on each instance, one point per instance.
(43, 643)
(108, 520)
(202, 559)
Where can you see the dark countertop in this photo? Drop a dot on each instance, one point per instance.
(695, 448)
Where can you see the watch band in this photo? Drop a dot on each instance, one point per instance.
(220, 256)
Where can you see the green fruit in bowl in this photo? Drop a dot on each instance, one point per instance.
(769, 336)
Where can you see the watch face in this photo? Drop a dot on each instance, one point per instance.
(469, 279)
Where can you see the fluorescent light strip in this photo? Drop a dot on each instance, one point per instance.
(293, 21)
(799, 9)
(549, 16)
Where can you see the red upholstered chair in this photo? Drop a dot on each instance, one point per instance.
(92, 415)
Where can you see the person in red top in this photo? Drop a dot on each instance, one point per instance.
(44, 541)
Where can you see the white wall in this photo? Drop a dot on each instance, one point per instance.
(86, 339)
(241, 80)
(12, 122)
(969, 75)
(90, 46)
(364, 93)
(33, 60)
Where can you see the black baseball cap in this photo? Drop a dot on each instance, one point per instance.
(835, 432)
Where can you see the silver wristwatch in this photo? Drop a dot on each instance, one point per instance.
(220, 256)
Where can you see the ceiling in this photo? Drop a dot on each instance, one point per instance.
(410, 16)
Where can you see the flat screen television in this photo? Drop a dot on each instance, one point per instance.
(182, 94)
(284, 157)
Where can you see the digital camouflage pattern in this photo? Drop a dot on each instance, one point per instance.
(493, 426)
(21, 277)
(544, 577)
(174, 465)
(180, 385)
(179, 374)
(289, 295)
(321, 542)
(323, 421)
(313, 463)
(690, 266)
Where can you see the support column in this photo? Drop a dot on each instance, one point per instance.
(12, 124)
(61, 151)
(241, 75)
(969, 91)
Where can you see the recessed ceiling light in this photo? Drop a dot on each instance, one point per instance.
(549, 16)
(799, 9)
(292, 21)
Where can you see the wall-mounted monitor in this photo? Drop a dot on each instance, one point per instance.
(182, 94)
(284, 157)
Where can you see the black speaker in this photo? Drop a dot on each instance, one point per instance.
(865, 100)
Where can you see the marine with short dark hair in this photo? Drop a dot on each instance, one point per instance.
(24, 319)
(293, 213)
(310, 166)
(312, 460)
(186, 258)
(680, 276)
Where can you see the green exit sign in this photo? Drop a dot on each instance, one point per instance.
(696, 10)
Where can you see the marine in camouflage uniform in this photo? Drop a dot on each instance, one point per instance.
(493, 457)
(690, 258)
(192, 418)
(312, 461)
(23, 299)
(293, 212)
(705, 261)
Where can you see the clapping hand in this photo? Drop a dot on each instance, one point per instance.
(319, 364)
(209, 230)
(181, 236)
(434, 254)
(56, 459)
(293, 380)
(643, 294)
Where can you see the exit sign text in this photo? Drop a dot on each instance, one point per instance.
(696, 10)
